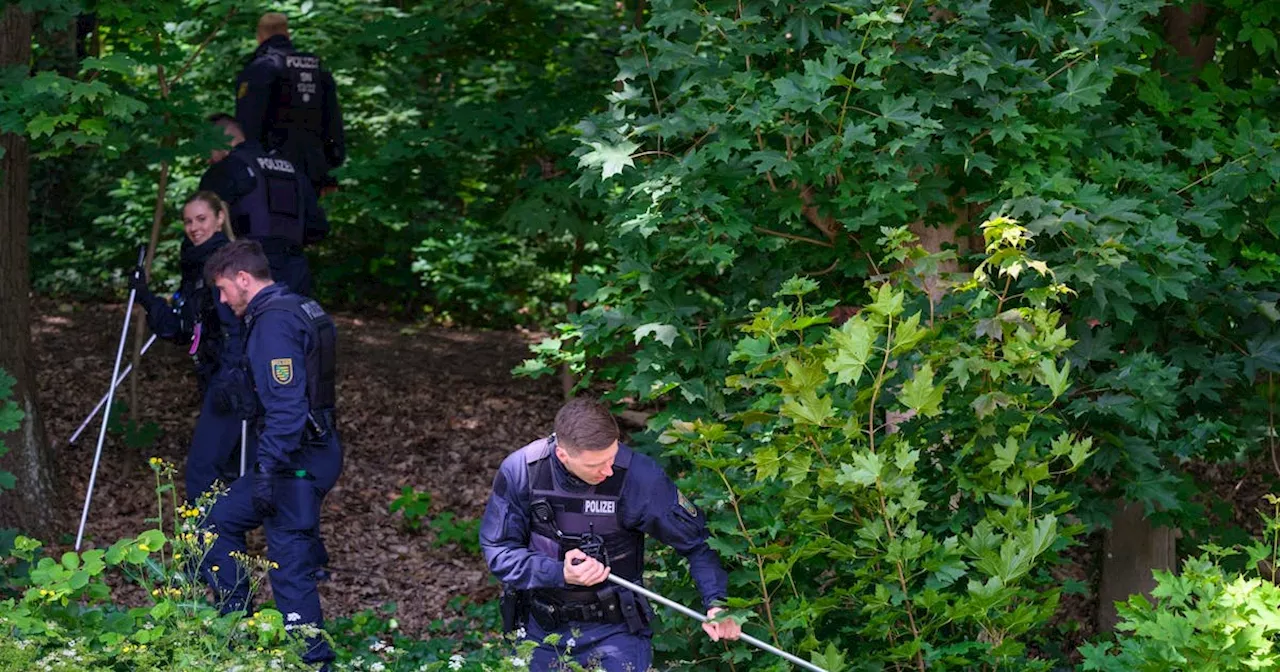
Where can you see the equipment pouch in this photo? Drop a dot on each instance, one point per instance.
(546, 614)
(632, 613)
(514, 608)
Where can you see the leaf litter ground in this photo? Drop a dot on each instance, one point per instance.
(433, 409)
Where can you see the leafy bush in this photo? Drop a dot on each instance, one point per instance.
(64, 619)
(898, 487)
(1205, 618)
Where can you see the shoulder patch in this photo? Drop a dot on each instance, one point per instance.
(686, 504)
(243, 91)
(312, 309)
(282, 370)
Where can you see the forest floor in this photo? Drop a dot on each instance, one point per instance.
(433, 409)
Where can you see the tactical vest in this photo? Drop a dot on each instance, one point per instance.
(594, 510)
(199, 315)
(299, 95)
(321, 358)
(274, 209)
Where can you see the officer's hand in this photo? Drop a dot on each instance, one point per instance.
(264, 500)
(138, 283)
(718, 630)
(587, 572)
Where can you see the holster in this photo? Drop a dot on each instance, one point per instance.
(514, 607)
(633, 611)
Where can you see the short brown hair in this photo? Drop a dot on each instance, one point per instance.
(273, 23)
(585, 424)
(242, 255)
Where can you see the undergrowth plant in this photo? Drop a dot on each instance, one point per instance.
(65, 618)
(900, 484)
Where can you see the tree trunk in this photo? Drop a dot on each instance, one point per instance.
(32, 506)
(1184, 30)
(1131, 550)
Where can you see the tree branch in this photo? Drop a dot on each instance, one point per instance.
(200, 49)
(792, 236)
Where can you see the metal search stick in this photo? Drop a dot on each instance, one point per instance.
(702, 617)
(123, 374)
(244, 443)
(106, 412)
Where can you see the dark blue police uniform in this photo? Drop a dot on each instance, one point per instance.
(291, 353)
(287, 100)
(538, 511)
(271, 204)
(197, 318)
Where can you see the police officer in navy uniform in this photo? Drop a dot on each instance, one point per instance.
(269, 203)
(198, 320)
(291, 353)
(568, 510)
(286, 100)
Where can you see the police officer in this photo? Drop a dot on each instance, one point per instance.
(269, 203)
(198, 319)
(287, 100)
(568, 510)
(291, 356)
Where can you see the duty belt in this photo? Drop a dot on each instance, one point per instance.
(587, 612)
(609, 606)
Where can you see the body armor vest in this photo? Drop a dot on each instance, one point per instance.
(321, 358)
(273, 210)
(594, 510)
(296, 114)
(299, 98)
(199, 315)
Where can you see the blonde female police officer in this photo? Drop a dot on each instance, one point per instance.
(565, 512)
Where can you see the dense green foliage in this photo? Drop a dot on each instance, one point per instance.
(455, 197)
(779, 140)
(896, 489)
(893, 445)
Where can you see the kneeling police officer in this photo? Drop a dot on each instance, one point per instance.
(270, 202)
(567, 510)
(291, 357)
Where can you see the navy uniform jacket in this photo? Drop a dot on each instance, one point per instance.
(256, 90)
(233, 178)
(277, 351)
(649, 503)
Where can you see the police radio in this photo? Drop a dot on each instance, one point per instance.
(590, 543)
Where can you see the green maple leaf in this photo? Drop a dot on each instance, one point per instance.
(1055, 379)
(921, 395)
(612, 158)
(853, 347)
(1006, 454)
(1085, 87)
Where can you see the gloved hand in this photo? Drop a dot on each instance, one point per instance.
(264, 500)
(138, 283)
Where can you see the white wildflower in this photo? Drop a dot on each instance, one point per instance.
(518, 662)
(455, 661)
(377, 667)
(294, 617)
